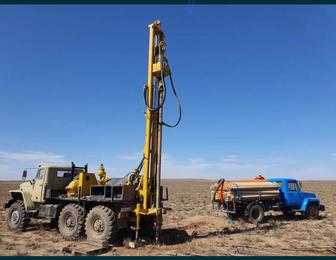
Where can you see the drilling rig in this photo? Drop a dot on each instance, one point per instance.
(98, 208)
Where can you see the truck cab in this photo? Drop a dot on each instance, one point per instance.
(294, 199)
(49, 182)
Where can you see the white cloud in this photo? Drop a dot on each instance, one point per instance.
(231, 158)
(32, 156)
(131, 157)
(234, 167)
(229, 167)
(12, 163)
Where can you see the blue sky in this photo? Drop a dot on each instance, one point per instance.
(257, 85)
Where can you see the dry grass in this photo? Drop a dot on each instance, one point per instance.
(194, 228)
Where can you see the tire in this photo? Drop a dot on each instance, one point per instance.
(312, 211)
(101, 224)
(17, 220)
(255, 213)
(71, 222)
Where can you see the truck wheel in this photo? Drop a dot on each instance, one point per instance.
(101, 224)
(17, 220)
(71, 222)
(312, 211)
(255, 213)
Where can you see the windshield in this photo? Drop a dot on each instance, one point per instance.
(293, 186)
(40, 173)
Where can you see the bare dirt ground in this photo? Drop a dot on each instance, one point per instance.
(194, 228)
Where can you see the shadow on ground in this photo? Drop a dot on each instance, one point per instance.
(45, 226)
(180, 236)
(280, 218)
(174, 236)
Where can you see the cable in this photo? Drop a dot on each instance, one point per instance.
(165, 94)
(160, 105)
(177, 100)
(136, 171)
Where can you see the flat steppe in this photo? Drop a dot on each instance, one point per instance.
(193, 227)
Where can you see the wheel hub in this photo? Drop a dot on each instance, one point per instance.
(15, 217)
(70, 222)
(255, 214)
(98, 225)
(312, 211)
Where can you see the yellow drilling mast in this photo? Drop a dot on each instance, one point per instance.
(149, 188)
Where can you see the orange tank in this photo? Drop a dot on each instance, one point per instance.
(218, 189)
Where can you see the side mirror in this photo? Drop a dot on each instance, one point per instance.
(24, 174)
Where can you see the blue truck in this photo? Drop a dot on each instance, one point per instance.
(294, 199)
(250, 200)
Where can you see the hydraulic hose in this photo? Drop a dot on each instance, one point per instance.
(177, 100)
(136, 170)
(164, 97)
(165, 93)
(160, 105)
(219, 185)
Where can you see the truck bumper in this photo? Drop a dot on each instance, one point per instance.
(322, 208)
